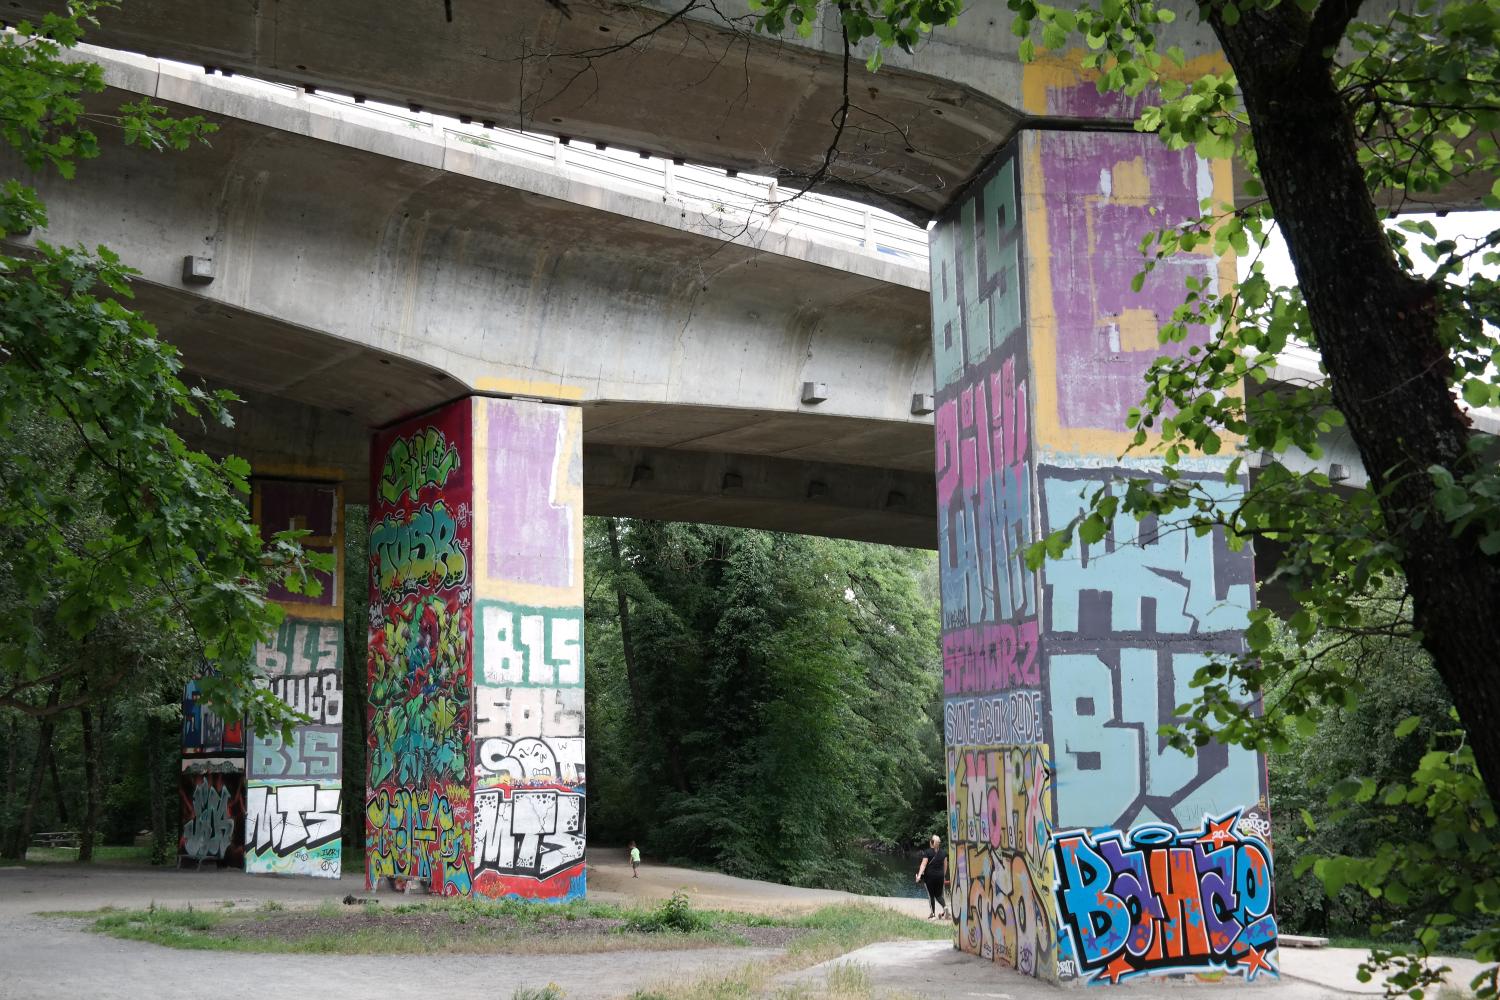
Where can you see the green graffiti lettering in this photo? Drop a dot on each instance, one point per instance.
(411, 464)
(421, 550)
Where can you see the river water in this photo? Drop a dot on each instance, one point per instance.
(893, 874)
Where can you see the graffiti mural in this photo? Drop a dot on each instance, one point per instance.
(994, 717)
(291, 781)
(293, 828)
(212, 810)
(418, 811)
(529, 770)
(204, 733)
(476, 738)
(316, 508)
(1056, 681)
(1163, 900)
(999, 828)
(1129, 620)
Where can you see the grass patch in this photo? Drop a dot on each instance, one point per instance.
(126, 855)
(449, 926)
(466, 926)
(829, 933)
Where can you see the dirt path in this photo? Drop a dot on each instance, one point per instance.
(609, 880)
(68, 887)
(45, 957)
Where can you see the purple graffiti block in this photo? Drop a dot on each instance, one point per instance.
(1101, 191)
(530, 525)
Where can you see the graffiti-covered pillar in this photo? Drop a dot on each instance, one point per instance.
(294, 788)
(255, 800)
(1082, 846)
(476, 781)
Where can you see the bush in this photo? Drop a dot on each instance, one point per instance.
(674, 915)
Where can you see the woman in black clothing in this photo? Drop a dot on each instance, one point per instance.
(932, 874)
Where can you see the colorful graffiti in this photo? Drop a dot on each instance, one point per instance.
(1163, 900)
(293, 783)
(420, 550)
(212, 808)
(999, 828)
(999, 791)
(204, 733)
(1129, 620)
(1038, 357)
(414, 463)
(418, 818)
(529, 770)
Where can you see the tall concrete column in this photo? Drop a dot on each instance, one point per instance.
(255, 800)
(476, 781)
(294, 788)
(1082, 846)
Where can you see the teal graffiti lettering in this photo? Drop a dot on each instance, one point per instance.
(421, 550)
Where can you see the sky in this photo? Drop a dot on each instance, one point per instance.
(1455, 225)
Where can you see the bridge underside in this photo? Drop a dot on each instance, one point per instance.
(741, 468)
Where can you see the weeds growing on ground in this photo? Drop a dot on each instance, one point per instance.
(831, 931)
(551, 991)
(673, 915)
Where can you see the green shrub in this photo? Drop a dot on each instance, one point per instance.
(673, 915)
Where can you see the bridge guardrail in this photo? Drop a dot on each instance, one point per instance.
(741, 198)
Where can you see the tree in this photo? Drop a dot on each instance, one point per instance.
(1333, 121)
(764, 702)
(104, 511)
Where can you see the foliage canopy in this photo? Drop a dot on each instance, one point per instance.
(106, 511)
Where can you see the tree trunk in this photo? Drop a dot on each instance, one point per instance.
(162, 847)
(675, 766)
(626, 649)
(12, 768)
(1377, 332)
(91, 740)
(59, 801)
(38, 775)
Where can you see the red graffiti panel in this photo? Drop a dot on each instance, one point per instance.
(419, 813)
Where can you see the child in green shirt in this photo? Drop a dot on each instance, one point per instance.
(635, 860)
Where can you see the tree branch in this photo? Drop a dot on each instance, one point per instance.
(1329, 22)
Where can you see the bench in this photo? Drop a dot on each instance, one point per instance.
(67, 839)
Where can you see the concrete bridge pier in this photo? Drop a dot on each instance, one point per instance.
(258, 801)
(476, 763)
(1081, 846)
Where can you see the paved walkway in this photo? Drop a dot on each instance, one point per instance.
(934, 969)
(43, 957)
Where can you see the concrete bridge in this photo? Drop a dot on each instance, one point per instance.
(367, 266)
(530, 333)
(371, 263)
(677, 78)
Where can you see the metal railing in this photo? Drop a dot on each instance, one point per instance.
(733, 200)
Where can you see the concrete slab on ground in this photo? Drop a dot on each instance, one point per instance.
(935, 969)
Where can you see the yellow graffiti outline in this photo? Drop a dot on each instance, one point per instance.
(1060, 70)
